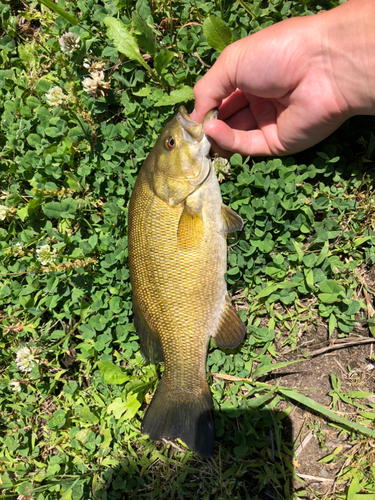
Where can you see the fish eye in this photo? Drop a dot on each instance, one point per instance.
(170, 142)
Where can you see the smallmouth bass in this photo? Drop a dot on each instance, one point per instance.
(177, 260)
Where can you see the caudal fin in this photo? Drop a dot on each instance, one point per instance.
(170, 417)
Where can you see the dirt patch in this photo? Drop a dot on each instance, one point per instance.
(311, 435)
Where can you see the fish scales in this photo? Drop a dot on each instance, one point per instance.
(177, 258)
(182, 302)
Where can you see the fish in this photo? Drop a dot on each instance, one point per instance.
(177, 250)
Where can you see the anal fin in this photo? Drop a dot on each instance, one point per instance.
(231, 221)
(190, 228)
(231, 331)
(150, 343)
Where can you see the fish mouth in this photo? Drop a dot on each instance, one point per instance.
(194, 129)
(194, 132)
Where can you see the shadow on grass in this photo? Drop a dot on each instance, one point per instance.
(251, 461)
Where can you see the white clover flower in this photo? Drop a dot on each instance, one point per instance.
(95, 84)
(221, 167)
(93, 65)
(16, 249)
(3, 212)
(15, 385)
(25, 359)
(56, 97)
(46, 254)
(69, 42)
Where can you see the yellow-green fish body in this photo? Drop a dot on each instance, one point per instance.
(177, 258)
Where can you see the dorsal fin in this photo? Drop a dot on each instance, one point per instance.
(231, 331)
(190, 228)
(231, 221)
(150, 343)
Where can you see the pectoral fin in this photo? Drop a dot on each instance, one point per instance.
(150, 344)
(231, 330)
(231, 221)
(190, 229)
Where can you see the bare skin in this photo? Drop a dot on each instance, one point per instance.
(289, 86)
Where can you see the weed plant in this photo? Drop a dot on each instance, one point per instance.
(85, 89)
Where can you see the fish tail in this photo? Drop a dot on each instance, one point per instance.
(170, 417)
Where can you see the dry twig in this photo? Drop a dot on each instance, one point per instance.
(340, 345)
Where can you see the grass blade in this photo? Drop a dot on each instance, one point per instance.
(263, 369)
(327, 413)
(61, 12)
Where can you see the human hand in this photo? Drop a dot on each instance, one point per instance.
(289, 86)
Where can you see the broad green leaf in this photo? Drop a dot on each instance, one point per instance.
(111, 373)
(33, 102)
(236, 160)
(323, 254)
(118, 407)
(107, 438)
(61, 12)
(310, 278)
(287, 284)
(162, 61)
(267, 245)
(33, 140)
(329, 298)
(309, 259)
(82, 435)
(217, 33)
(331, 286)
(144, 91)
(5, 291)
(53, 132)
(88, 416)
(22, 213)
(64, 209)
(76, 134)
(144, 34)
(353, 306)
(240, 450)
(124, 40)
(73, 181)
(58, 420)
(132, 405)
(72, 386)
(180, 95)
(26, 53)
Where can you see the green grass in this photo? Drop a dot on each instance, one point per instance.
(70, 425)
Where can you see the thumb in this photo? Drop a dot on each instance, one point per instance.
(218, 83)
